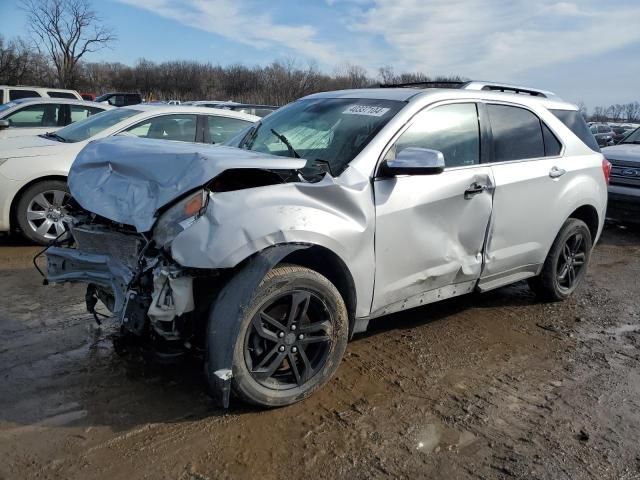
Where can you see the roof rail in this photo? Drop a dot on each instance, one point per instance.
(429, 84)
(500, 87)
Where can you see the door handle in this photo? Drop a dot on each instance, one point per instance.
(556, 172)
(473, 190)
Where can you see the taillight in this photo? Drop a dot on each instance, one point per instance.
(606, 169)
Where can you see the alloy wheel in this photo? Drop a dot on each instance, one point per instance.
(289, 340)
(45, 213)
(571, 261)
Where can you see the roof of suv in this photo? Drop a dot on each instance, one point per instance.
(404, 94)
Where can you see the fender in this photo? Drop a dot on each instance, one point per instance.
(223, 325)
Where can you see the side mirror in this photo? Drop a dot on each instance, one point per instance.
(4, 124)
(414, 161)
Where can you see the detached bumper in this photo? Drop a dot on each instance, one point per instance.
(69, 265)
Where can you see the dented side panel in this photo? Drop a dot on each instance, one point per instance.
(428, 234)
(337, 214)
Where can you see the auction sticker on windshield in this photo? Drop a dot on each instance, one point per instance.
(369, 110)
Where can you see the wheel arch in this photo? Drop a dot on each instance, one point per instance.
(13, 223)
(328, 264)
(589, 215)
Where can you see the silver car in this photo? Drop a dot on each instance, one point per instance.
(268, 255)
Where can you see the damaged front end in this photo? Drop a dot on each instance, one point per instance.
(144, 289)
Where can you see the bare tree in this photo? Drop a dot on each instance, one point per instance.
(66, 30)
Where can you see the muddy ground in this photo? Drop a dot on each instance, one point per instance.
(485, 386)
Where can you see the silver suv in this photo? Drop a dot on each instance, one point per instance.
(267, 256)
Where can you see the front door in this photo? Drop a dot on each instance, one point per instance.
(430, 229)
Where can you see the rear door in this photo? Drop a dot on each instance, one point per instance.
(430, 229)
(528, 171)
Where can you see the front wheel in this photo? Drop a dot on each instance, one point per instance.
(566, 264)
(292, 337)
(41, 209)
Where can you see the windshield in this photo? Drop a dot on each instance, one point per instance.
(633, 137)
(331, 130)
(79, 131)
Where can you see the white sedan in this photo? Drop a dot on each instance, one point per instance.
(33, 169)
(34, 116)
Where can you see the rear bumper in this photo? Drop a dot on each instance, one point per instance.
(624, 204)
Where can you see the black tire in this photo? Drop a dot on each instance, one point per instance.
(29, 226)
(324, 317)
(551, 285)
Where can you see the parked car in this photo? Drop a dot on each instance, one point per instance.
(250, 108)
(602, 133)
(336, 209)
(34, 116)
(120, 99)
(33, 169)
(619, 132)
(624, 189)
(9, 93)
(91, 97)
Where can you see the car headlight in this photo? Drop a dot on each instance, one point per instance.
(179, 217)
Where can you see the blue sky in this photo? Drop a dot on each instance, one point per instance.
(582, 49)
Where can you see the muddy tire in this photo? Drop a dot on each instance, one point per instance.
(40, 209)
(566, 264)
(292, 338)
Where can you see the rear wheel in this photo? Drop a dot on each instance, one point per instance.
(40, 210)
(292, 337)
(566, 264)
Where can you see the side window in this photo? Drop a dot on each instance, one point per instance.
(166, 127)
(451, 129)
(62, 95)
(132, 99)
(80, 112)
(552, 146)
(517, 133)
(222, 129)
(16, 94)
(43, 115)
(262, 112)
(603, 129)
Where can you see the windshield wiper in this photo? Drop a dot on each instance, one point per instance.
(248, 140)
(284, 140)
(56, 136)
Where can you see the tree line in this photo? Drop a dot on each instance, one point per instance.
(274, 84)
(620, 113)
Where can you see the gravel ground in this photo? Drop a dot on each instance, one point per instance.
(483, 386)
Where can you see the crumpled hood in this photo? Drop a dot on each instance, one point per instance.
(128, 179)
(624, 152)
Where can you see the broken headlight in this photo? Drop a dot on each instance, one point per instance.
(179, 217)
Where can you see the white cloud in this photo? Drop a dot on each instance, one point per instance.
(243, 25)
(498, 39)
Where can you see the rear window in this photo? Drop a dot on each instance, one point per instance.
(575, 122)
(16, 94)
